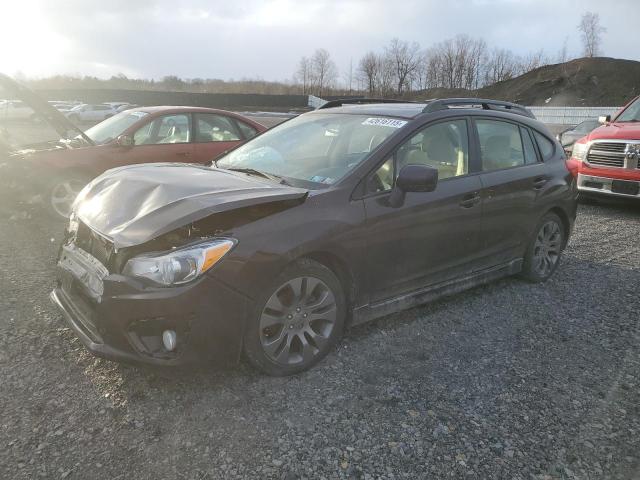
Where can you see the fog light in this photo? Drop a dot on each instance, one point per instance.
(169, 340)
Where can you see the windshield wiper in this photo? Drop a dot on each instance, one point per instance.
(251, 171)
(258, 173)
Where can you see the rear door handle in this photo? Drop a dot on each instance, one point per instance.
(470, 200)
(539, 182)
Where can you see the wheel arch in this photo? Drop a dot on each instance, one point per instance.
(566, 223)
(340, 269)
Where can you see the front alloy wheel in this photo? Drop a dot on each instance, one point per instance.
(298, 322)
(63, 193)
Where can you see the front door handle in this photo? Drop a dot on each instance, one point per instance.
(470, 200)
(539, 182)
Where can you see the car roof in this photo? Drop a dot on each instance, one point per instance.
(164, 109)
(179, 108)
(411, 110)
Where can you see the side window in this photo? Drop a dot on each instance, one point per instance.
(544, 144)
(500, 145)
(444, 146)
(530, 155)
(215, 128)
(247, 130)
(166, 129)
(382, 179)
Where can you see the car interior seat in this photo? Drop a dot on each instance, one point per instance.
(174, 135)
(439, 152)
(496, 152)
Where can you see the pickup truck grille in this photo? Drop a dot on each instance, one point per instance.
(614, 147)
(607, 154)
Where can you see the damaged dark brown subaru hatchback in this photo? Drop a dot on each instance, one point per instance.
(338, 216)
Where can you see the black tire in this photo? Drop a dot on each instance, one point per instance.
(295, 328)
(545, 249)
(69, 183)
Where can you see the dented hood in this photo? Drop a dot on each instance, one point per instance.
(132, 205)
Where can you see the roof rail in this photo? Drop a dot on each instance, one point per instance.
(486, 104)
(359, 101)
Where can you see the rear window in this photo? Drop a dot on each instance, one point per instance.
(544, 144)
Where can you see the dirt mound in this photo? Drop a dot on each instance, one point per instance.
(583, 82)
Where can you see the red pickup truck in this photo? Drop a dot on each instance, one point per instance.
(607, 160)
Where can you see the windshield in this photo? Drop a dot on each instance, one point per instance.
(317, 148)
(114, 126)
(631, 114)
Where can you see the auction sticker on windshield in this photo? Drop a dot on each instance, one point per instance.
(385, 122)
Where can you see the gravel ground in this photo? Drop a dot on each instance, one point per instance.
(511, 380)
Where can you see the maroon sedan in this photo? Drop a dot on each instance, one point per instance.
(140, 135)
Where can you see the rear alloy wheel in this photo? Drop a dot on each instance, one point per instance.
(298, 322)
(543, 255)
(63, 192)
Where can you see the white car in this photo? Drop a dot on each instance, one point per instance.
(16, 110)
(90, 113)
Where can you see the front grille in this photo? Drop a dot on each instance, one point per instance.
(92, 243)
(605, 160)
(607, 154)
(614, 147)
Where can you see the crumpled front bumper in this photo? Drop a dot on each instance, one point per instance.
(126, 322)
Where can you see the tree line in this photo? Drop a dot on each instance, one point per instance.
(399, 69)
(461, 62)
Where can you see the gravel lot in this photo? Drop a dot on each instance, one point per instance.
(512, 380)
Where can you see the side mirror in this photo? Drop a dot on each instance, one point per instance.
(125, 141)
(413, 178)
(604, 119)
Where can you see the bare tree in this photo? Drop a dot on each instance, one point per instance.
(532, 61)
(303, 74)
(563, 54)
(386, 80)
(405, 58)
(591, 32)
(502, 65)
(368, 71)
(324, 70)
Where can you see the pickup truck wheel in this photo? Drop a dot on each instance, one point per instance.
(297, 320)
(63, 190)
(543, 253)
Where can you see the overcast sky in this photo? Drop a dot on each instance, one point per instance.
(266, 38)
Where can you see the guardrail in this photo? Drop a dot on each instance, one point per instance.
(570, 115)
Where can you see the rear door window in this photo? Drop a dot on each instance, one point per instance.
(500, 144)
(215, 128)
(530, 155)
(247, 130)
(545, 145)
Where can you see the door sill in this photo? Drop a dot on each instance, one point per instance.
(405, 301)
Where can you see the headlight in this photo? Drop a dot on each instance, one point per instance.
(73, 224)
(579, 151)
(178, 266)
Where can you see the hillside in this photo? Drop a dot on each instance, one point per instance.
(581, 82)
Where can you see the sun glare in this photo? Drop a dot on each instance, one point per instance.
(29, 43)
